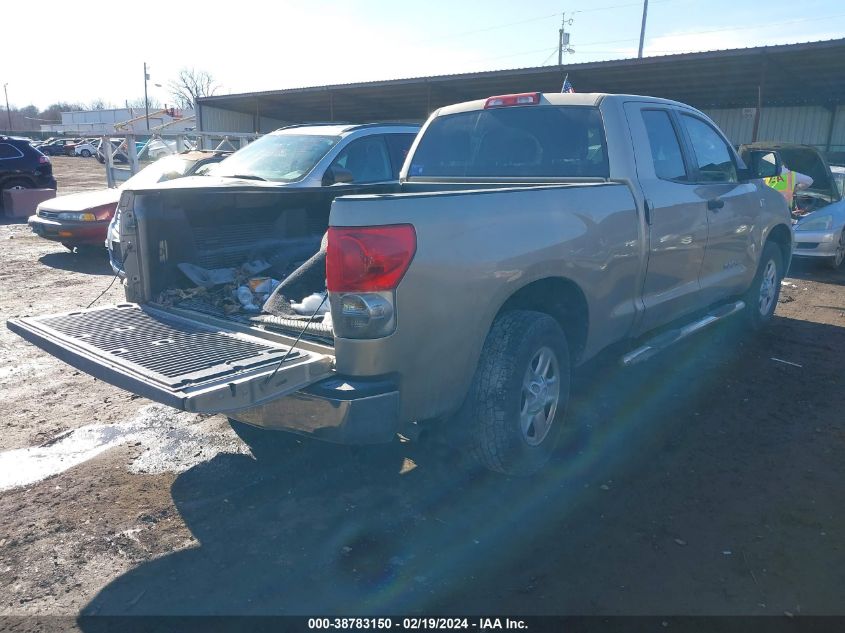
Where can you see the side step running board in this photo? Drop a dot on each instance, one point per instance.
(665, 339)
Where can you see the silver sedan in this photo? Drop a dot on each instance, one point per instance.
(821, 234)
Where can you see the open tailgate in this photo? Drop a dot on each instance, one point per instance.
(178, 361)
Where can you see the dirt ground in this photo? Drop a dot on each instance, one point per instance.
(706, 481)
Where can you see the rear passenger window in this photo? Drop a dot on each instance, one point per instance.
(9, 151)
(665, 147)
(715, 163)
(367, 159)
(398, 146)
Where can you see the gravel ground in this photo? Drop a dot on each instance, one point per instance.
(706, 481)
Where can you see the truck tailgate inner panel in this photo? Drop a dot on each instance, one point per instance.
(170, 350)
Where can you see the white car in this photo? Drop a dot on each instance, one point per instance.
(86, 149)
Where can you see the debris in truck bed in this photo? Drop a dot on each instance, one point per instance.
(223, 290)
(214, 277)
(311, 304)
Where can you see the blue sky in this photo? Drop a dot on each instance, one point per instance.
(253, 45)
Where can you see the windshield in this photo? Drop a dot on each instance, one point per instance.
(163, 169)
(278, 157)
(544, 142)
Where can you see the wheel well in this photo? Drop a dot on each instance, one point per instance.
(781, 236)
(561, 299)
(14, 177)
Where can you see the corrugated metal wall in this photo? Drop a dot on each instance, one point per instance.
(798, 124)
(837, 141)
(809, 125)
(219, 120)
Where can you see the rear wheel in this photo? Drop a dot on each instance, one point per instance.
(17, 183)
(517, 401)
(836, 261)
(85, 153)
(761, 299)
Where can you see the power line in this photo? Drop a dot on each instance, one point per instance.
(488, 28)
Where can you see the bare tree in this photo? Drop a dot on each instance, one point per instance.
(100, 104)
(191, 84)
(138, 102)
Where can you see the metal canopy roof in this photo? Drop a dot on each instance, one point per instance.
(792, 74)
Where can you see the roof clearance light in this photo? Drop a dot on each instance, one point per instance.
(503, 101)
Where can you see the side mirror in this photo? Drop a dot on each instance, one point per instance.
(336, 175)
(763, 164)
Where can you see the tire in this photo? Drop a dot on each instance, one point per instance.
(17, 183)
(761, 299)
(513, 412)
(85, 153)
(268, 447)
(835, 262)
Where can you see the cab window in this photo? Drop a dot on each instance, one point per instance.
(665, 146)
(712, 155)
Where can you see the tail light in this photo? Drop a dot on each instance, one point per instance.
(364, 265)
(43, 160)
(370, 258)
(503, 101)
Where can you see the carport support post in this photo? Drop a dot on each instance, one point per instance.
(107, 149)
(132, 152)
(759, 111)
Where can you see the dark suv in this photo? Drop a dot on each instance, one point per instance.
(22, 166)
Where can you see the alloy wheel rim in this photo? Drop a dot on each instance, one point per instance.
(540, 396)
(768, 288)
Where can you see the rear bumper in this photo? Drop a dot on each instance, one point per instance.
(69, 232)
(344, 411)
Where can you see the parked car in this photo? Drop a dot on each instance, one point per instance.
(86, 148)
(819, 211)
(57, 147)
(305, 167)
(81, 219)
(157, 148)
(23, 167)
(528, 232)
(70, 147)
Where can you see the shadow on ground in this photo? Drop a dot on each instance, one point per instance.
(813, 270)
(92, 261)
(681, 478)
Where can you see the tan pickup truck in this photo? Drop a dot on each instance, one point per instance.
(527, 233)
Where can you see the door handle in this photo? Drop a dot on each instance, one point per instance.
(715, 204)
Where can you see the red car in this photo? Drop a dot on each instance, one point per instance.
(80, 220)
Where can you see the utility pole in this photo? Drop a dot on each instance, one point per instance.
(563, 39)
(642, 29)
(8, 111)
(146, 101)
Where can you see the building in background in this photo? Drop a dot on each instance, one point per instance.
(94, 122)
